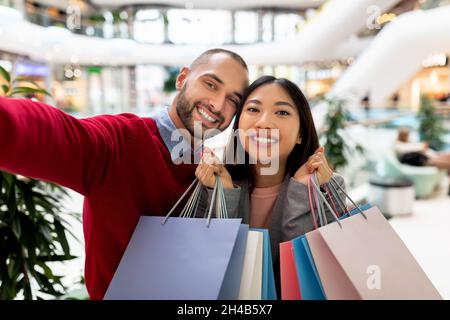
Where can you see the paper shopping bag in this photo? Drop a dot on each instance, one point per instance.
(232, 281)
(268, 290)
(309, 281)
(251, 281)
(182, 259)
(364, 258)
(290, 289)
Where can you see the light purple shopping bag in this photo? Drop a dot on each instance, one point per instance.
(183, 258)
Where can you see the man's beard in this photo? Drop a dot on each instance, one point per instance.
(185, 110)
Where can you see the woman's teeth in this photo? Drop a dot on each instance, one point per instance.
(206, 116)
(264, 140)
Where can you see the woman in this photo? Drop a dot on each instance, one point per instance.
(279, 145)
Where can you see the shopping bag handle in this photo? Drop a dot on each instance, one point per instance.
(313, 181)
(217, 199)
(311, 204)
(314, 190)
(332, 192)
(334, 184)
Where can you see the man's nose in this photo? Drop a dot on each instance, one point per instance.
(218, 103)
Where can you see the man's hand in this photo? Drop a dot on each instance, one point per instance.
(209, 167)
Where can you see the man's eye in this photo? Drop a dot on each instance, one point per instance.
(283, 113)
(234, 101)
(211, 85)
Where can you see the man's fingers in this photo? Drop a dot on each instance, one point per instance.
(207, 150)
(208, 175)
(210, 158)
(202, 173)
(200, 169)
(216, 169)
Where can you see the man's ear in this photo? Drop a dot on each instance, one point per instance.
(181, 78)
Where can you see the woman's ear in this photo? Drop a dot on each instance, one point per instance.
(181, 78)
(299, 140)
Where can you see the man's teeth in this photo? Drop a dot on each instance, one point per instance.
(206, 116)
(264, 140)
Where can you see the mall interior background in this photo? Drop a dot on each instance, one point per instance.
(114, 56)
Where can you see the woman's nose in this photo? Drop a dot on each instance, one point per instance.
(265, 121)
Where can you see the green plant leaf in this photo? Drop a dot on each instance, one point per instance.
(12, 267)
(8, 178)
(63, 222)
(12, 200)
(28, 198)
(34, 83)
(22, 90)
(5, 88)
(54, 258)
(5, 74)
(59, 228)
(16, 227)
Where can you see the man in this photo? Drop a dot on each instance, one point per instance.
(123, 164)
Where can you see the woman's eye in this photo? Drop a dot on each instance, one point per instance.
(252, 109)
(283, 113)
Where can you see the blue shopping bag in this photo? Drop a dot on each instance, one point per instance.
(308, 278)
(354, 211)
(268, 291)
(232, 281)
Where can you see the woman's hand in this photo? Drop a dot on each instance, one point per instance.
(317, 162)
(209, 167)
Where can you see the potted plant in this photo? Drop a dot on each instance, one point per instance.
(33, 231)
(430, 127)
(336, 145)
(169, 82)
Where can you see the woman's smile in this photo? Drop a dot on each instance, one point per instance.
(263, 139)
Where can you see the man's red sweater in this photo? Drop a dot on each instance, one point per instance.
(119, 163)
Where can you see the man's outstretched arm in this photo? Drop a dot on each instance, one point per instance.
(42, 142)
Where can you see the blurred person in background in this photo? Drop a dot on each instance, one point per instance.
(419, 153)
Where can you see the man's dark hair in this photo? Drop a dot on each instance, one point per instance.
(204, 56)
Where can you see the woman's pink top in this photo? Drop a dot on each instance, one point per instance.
(262, 201)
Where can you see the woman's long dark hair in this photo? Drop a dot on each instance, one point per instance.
(301, 152)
